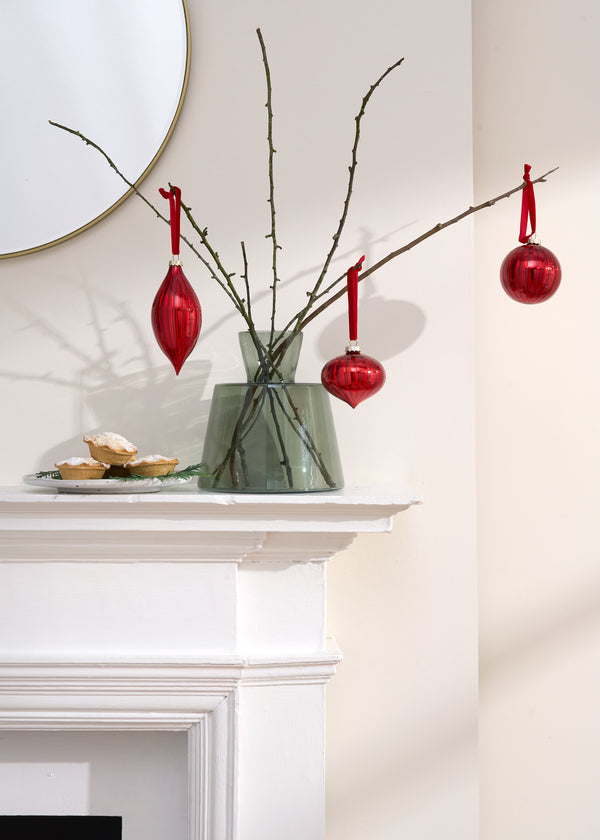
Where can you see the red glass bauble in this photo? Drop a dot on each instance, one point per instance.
(530, 274)
(353, 377)
(176, 317)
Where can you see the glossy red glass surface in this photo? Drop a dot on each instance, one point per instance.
(530, 274)
(176, 317)
(353, 377)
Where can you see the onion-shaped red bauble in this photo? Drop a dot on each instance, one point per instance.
(176, 317)
(530, 274)
(353, 377)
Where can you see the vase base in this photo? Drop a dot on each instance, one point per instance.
(271, 438)
(208, 488)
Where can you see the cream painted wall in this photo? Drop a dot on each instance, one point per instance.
(535, 100)
(78, 354)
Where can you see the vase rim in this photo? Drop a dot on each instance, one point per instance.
(268, 332)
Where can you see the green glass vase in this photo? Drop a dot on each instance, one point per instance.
(271, 434)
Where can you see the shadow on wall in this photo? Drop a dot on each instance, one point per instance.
(404, 321)
(150, 405)
(391, 326)
(386, 326)
(112, 382)
(550, 633)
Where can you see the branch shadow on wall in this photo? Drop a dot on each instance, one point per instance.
(387, 326)
(159, 412)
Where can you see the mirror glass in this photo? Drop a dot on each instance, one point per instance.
(115, 71)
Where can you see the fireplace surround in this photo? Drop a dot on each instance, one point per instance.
(191, 612)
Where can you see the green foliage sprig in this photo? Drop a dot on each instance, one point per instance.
(48, 474)
(185, 473)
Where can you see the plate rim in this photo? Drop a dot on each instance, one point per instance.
(101, 483)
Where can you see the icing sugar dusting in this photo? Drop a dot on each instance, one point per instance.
(81, 462)
(111, 440)
(151, 459)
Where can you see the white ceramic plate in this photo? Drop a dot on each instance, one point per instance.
(106, 485)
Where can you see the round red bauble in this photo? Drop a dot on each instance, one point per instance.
(530, 274)
(353, 377)
(176, 317)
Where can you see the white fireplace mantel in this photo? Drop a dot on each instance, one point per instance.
(185, 610)
(35, 524)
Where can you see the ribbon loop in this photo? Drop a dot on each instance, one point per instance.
(527, 208)
(174, 196)
(352, 281)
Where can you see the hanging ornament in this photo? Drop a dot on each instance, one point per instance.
(530, 273)
(353, 377)
(176, 312)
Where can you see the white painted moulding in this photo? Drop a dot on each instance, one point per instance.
(198, 697)
(201, 693)
(39, 525)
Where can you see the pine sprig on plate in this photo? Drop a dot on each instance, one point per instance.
(185, 473)
(48, 474)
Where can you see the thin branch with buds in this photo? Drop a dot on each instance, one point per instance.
(302, 318)
(272, 235)
(313, 294)
(225, 283)
(393, 254)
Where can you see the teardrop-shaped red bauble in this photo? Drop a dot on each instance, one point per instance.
(353, 377)
(530, 274)
(176, 317)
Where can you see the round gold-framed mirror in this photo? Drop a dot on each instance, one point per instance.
(115, 71)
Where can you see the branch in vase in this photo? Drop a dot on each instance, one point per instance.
(253, 401)
(301, 430)
(273, 234)
(227, 282)
(246, 281)
(285, 461)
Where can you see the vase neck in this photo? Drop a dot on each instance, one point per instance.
(270, 356)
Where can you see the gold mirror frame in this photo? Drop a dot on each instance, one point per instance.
(128, 192)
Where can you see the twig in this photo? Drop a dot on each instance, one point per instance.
(227, 282)
(272, 235)
(301, 430)
(393, 254)
(285, 461)
(139, 194)
(246, 281)
(298, 319)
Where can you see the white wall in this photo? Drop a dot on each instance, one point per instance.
(535, 101)
(78, 354)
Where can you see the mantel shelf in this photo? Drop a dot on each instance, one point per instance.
(38, 523)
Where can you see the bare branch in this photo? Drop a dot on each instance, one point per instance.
(223, 284)
(297, 320)
(273, 234)
(393, 254)
(246, 281)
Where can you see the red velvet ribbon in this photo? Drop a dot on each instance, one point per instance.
(527, 207)
(352, 279)
(174, 196)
